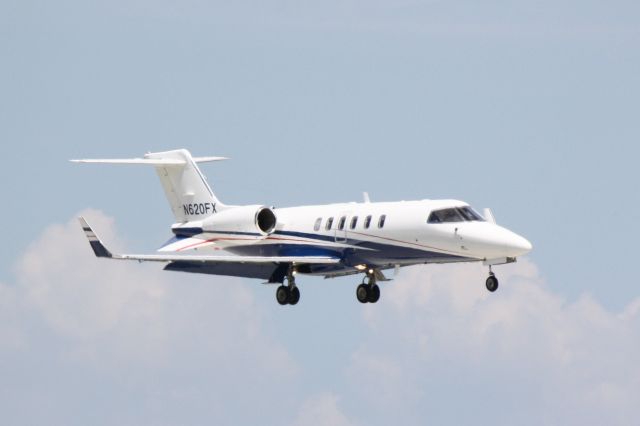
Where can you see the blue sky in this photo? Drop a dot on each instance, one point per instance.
(527, 108)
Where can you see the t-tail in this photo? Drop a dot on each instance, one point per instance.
(186, 188)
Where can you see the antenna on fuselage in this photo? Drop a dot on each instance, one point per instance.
(488, 215)
(365, 195)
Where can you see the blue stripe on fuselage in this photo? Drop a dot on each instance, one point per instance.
(361, 252)
(367, 252)
(190, 232)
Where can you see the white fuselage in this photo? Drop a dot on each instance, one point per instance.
(331, 240)
(403, 237)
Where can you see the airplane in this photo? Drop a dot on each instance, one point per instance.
(333, 240)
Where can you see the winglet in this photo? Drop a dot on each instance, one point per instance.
(98, 248)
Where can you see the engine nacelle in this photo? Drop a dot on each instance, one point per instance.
(260, 219)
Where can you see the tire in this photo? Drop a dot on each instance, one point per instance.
(374, 294)
(362, 293)
(294, 296)
(282, 295)
(492, 283)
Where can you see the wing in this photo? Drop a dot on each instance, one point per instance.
(244, 266)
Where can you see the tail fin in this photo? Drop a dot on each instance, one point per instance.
(186, 188)
(187, 191)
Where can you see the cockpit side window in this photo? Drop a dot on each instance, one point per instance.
(445, 216)
(469, 214)
(434, 217)
(454, 214)
(464, 214)
(451, 215)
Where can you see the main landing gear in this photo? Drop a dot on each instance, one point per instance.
(368, 291)
(288, 294)
(492, 281)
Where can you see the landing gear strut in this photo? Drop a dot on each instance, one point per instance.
(492, 281)
(368, 292)
(288, 294)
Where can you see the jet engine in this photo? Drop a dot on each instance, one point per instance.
(248, 219)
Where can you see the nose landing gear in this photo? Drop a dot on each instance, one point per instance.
(492, 281)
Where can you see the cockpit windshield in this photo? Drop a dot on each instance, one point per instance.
(455, 214)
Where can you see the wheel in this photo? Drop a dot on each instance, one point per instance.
(362, 293)
(492, 283)
(374, 294)
(294, 295)
(282, 295)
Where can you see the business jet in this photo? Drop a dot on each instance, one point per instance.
(333, 240)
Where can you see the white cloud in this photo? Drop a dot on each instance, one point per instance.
(171, 341)
(80, 296)
(321, 410)
(84, 339)
(440, 336)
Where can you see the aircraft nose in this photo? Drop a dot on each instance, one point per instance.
(494, 241)
(518, 245)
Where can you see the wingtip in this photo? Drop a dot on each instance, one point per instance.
(96, 245)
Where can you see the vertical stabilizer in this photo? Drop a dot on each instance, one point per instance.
(186, 188)
(187, 191)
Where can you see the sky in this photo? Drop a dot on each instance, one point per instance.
(530, 108)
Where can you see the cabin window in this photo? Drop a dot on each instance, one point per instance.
(343, 219)
(354, 222)
(329, 223)
(316, 227)
(367, 222)
(381, 220)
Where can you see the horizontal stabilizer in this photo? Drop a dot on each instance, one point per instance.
(101, 251)
(208, 159)
(184, 185)
(148, 161)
